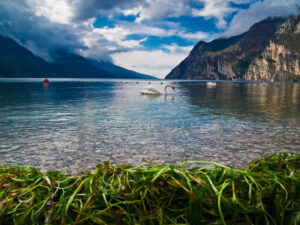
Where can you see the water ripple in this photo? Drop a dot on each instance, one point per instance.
(75, 125)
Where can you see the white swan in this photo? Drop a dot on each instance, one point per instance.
(211, 84)
(150, 90)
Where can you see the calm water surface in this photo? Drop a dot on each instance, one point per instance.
(76, 124)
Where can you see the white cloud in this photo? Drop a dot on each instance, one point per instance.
(101, 42)
(112, 41)
(158, 63)
(214, 9)
(57, 11)
(158, 9)
(132, 12)
(174, 48)
(113, 34)
(143, 29)
(173, 29)
(218, 9)
(258, 11)
(199, 35)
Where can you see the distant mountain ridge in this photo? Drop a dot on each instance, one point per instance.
(269, 50)
(17, 61)
(114, 69)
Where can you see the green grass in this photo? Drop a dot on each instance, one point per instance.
(266, 191)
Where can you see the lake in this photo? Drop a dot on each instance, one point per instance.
(76, 124)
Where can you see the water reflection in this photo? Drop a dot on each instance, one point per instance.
(45, 85)
(75, 125)
(167, 98)
(247, 100)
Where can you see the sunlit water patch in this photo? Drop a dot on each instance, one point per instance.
(76, 124)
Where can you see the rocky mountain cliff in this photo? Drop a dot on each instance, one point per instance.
(270, 50)
(280, 60)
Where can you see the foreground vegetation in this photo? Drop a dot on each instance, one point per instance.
(266, 191)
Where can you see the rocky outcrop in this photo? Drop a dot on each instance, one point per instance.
(276, 63)
(268, 51)
(280, 61)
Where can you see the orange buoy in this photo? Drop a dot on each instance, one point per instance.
(45, 80)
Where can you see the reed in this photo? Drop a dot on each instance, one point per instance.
(266, 191)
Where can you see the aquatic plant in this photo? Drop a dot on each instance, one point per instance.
(266, 191)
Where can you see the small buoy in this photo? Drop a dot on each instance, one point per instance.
(45, 80)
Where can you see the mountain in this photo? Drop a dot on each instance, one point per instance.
(17, 61)
(76, 66)
(113, 69)
(280, 60)
(269, 50)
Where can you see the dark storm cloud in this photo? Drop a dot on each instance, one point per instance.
(44, 37)
(34, 32)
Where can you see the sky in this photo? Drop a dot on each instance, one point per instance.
(148, 36)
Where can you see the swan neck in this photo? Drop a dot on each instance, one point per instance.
(166, 88)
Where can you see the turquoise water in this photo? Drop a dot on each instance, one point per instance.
(75, 124)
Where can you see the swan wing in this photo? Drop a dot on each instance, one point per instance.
(150, 90)
(146, 92)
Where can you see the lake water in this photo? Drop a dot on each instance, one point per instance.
(76, 124)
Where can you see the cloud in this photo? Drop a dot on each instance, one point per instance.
(112, 38)
(48, 26)
(196, 36)
(57, 11)
(86, 9)
(215, 9)
(154, 10)
(258, 11)
(45, 29)
(174, 48)
(218, 9)
(20, 22)
(158, 63)
(151, 30)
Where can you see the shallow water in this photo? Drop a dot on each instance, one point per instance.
(76, 124)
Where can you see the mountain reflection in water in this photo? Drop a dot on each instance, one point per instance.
(75, 124)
